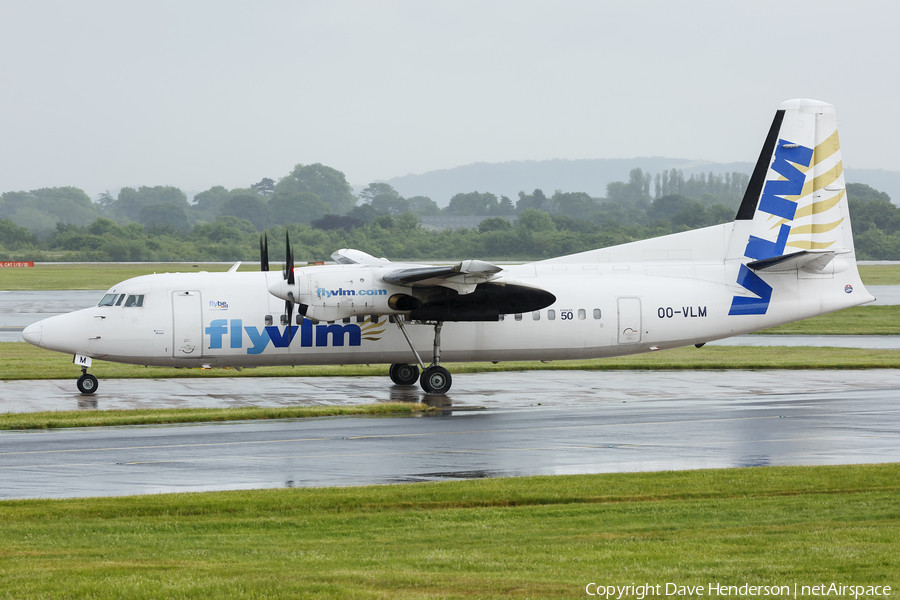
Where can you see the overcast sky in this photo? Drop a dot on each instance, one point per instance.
(101, 95)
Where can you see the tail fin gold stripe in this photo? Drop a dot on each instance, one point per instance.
(815, 227)
(823, 180)
(822, 151)
(813, 209)
(820, 206)
(809, 245)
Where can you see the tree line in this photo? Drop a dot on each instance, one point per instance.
(317, 206)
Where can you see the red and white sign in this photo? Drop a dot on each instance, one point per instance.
(28, 263)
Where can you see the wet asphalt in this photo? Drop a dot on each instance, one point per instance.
(492, 424)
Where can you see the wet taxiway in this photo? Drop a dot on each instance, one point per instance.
(533, 423)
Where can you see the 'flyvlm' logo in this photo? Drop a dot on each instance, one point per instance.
(323, 293)
(774, 203)
(310, 334)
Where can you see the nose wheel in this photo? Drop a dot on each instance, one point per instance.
(87, 383)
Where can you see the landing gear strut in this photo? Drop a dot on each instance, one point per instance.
(87, 383)
(435, 379)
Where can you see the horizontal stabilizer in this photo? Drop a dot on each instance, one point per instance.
(809, 260)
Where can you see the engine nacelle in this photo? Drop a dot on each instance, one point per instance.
(334, 293)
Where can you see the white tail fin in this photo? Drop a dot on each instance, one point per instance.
(796, 199)
(794, 214)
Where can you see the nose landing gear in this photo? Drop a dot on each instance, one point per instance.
(87, 383)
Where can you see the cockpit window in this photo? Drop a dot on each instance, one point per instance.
(119, 301)
(135, 300)
(108, 300)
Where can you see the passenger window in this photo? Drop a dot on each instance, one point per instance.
(581, 314)
(596, 313)
(536, 315)
(502, 316)
(374, 319)
(360, 319)
(346, 319)
(551, 315)
(119, 301)
(108, 300)
(136, 301)
(298, 319)
(268, 320)
(518, 316)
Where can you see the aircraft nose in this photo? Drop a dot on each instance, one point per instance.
(32, 333)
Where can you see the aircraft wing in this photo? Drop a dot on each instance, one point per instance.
(348, 256)
(469, 272)
(471, 290)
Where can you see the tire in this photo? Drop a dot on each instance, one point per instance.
(435, 380)
(87, 384)
(404, 374)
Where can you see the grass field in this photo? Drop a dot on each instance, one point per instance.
(535, 537)
(860, 320)
(101, 276)
(109, 418)
(24, 361)
(880, 274)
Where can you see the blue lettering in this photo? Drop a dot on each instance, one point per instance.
(280, 338)
(259, 340)
(349, 334)
(237, 340)
(337, 334)
(306, 334)
(772, 202)
(759, 249)
(217, 328)
(741, 305)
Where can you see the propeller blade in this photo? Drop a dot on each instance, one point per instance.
(264, 252)
(289, 309)
(289, 260)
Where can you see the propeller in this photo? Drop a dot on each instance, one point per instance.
(264, 252)
(289, 277)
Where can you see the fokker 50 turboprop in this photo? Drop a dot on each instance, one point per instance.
(788, 255)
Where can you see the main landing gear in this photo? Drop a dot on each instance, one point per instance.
(87, 383)
(404, 374)
(434, 379)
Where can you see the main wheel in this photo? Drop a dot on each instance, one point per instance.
(87, 384)
(404, 374)
(435, 380)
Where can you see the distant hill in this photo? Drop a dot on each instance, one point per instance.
(587, 175)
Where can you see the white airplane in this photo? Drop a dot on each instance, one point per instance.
(787, 256)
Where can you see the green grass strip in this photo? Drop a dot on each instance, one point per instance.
(880, 274)
(860, 320)
(534, 537)
(106, 418)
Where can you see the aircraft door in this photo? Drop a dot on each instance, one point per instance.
(629, 320)
(187, 328)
